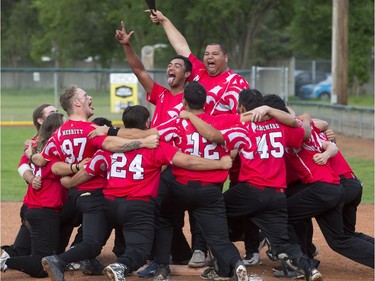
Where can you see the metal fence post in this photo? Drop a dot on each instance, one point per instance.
(55, 85)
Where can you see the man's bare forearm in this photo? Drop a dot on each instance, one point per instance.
(130, 146)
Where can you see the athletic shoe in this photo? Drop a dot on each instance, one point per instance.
(115, 272)
(240, 272)
(72, 266)
(252, 259)
(91, 267)
(149, 271)
(288, 273)
(3, 259)
(303, 265)
(198, 259)
(210, 274)
(54, 267)
(315, 275)
(162, 273)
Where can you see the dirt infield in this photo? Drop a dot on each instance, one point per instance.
(334, 267)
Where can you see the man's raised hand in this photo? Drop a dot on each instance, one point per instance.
(122, 36)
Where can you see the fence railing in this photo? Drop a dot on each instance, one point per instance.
(347, 120)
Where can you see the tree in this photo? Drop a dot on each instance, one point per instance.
(18, 26)
(311, 33)
(254, 31)
(361, 43)
(311, 29)
(234, 23)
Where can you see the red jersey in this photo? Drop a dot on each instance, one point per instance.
(133, 174)
(303, 165)
(185, 137)
(71, 144)
(222, 90)
(338, 162)
(51, 194)
(339, 165)
(24, 165)
(167, 105)
(261, 148)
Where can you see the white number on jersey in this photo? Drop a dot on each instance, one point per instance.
(196, 140)
(68, 149)
(119, 161)
(276, 148)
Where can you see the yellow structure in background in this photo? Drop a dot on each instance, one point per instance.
(124, 91)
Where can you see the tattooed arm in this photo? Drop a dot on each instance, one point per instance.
(118, 144)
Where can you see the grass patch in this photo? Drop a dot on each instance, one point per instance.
(365, 101)
(364, 170)
(13, 187)
(18, 105)
(360, 101)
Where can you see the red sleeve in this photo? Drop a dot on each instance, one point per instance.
(98, 141)
(23, 160)
(156, 92)
(50, 150)
(98, 164)
(164, 154)
(227, 121)
(294, 136)
(167, 130)
(197, 69)
(236, 137)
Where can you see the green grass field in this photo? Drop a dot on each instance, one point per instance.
(18, 105)
(362, 101)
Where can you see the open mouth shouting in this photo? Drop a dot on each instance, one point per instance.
(171, 78)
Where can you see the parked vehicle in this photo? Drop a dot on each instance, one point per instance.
(321, 90)
(302, 78)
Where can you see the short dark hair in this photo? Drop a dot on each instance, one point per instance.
(275, 101)
(250, 98)
(188, 65)
(101, 121)
(195, 95)
(135, 116)
(223, 48)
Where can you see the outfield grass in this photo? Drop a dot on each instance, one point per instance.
(364, 170)
(13, 188)
(361, 101)
(18, 105)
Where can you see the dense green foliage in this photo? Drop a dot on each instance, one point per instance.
(254, 31)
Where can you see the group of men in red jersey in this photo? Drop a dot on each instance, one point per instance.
(314, 188)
